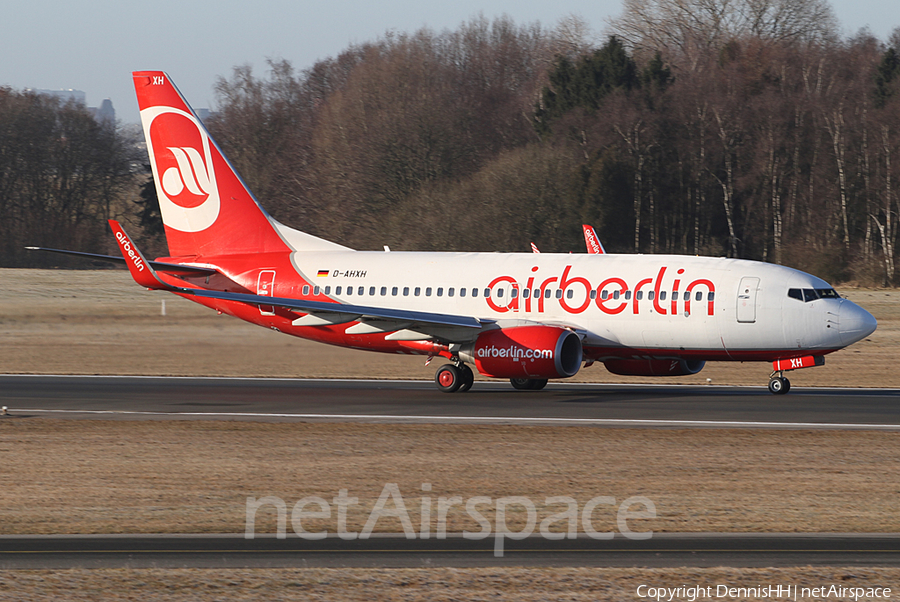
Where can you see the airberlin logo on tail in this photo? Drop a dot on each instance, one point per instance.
(181, 152)
(129, 250)
(190, 174)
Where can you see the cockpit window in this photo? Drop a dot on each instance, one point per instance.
(809, 294)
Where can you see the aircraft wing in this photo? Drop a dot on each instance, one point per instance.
(173, 268)
(144, 274)
(344, 309)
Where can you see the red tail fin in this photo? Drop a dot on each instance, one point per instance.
(206, 208)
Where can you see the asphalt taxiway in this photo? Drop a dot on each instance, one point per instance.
(418, 401)
(395, 551)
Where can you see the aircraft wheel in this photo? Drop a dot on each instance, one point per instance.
(448, 378)
(787, 384)
(530, 384)
(520, 383)
(778, 386)
(468, 378)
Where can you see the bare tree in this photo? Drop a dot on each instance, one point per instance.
(687, 29)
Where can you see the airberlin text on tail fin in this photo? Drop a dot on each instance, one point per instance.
(594, 247)
(206, 207)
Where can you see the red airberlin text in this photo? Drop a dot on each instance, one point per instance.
(611, 296)
(132, 255)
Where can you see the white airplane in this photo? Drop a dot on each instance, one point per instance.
(527, 317)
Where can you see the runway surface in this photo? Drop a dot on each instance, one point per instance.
(233, 551)
(418, 401)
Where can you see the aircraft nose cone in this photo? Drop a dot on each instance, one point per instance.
(855, 323)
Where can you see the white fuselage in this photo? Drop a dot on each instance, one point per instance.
(722, 308)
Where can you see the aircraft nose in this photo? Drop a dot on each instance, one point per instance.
(855, 323)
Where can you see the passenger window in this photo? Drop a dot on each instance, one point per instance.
(394, 291)
(487, 293)
(462, 292)
(474, 292)
(440, 291)
(711, 296)
(627, 295)
(559, 293)
(547, 293)
(650, 295)
(795, 293)
(615, 294)
(809, 295)
(383, 291)
(526, 293)
(316, 290)
(604, 295)
(305, 290)
(593, 294)
(327, 290)
(570, 293)
(417, 291)
(372, 291)
(428, 291)
(450, 291)
(698, 296)
(687, 296)
(662, 295)
(499, 293)
(406, 291)
(639, 296)
(349, 290)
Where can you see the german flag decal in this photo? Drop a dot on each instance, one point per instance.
(322, 273)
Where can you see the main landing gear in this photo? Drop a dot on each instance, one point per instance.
(450, 378)
(530, 384)
(779, 384)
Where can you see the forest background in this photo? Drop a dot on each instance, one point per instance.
(739, 128)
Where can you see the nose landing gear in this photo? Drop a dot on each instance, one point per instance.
(778, 383)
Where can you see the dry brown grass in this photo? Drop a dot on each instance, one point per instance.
(100, 322)
(77, 476)
(434, 585)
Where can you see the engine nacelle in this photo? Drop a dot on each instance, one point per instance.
(525, 352)
(654, 367)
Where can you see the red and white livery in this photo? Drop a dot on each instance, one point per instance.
(527, 317)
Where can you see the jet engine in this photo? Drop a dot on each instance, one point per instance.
(533, 352)
(654, 367)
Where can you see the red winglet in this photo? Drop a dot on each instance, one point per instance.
(139, 267)
(594, 247)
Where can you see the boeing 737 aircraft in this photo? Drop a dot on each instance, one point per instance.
(527, 317)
